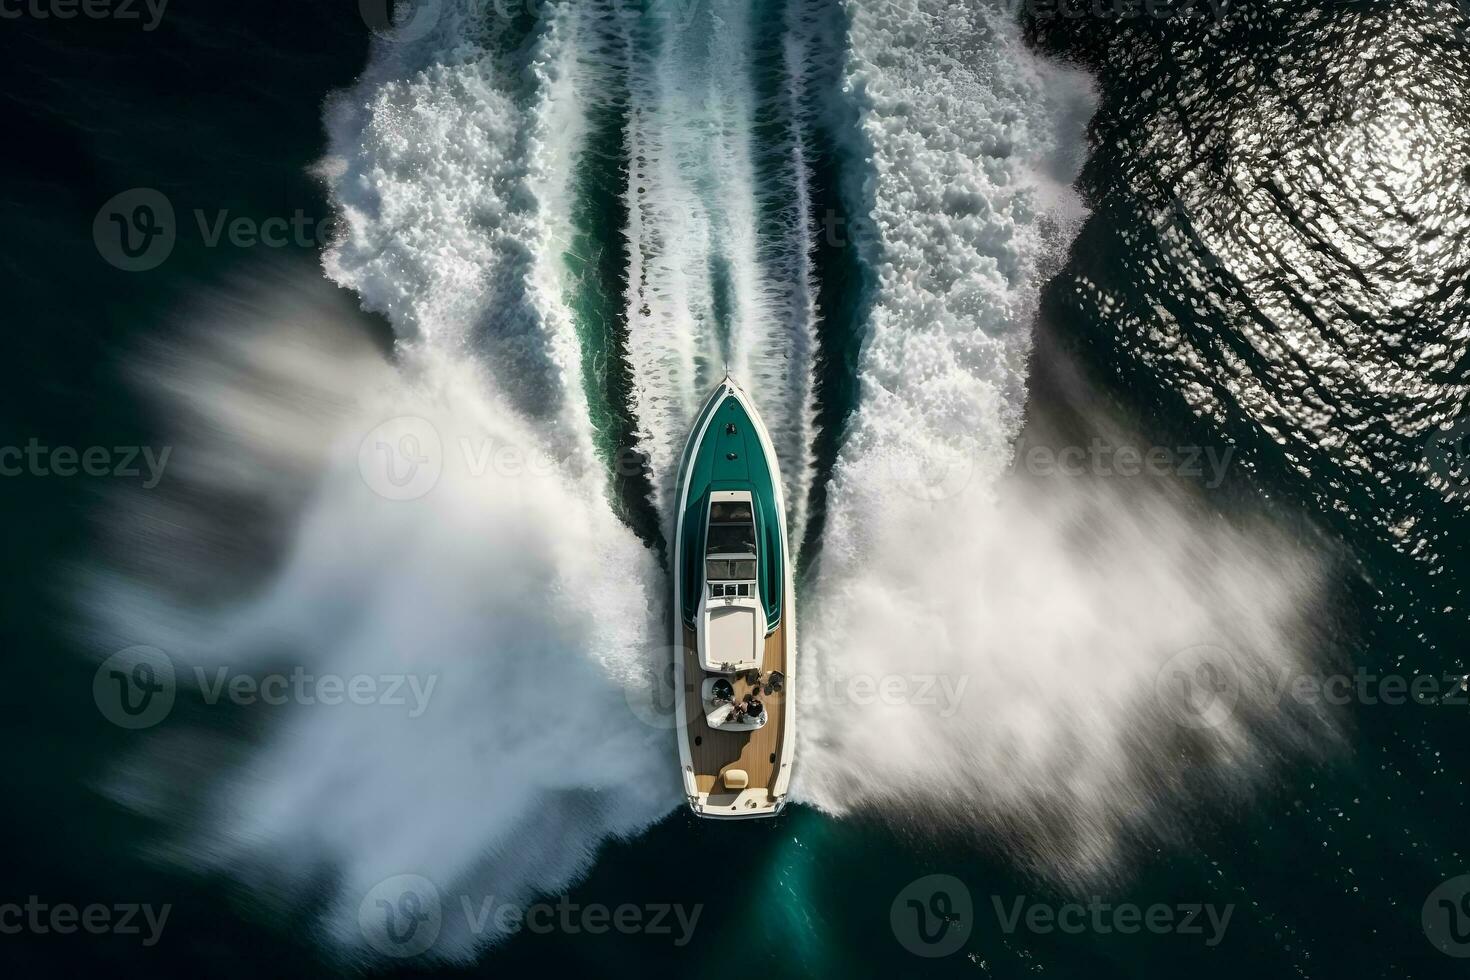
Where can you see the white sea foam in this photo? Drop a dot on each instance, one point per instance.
(522, 593)
(449, 165)
(509, 581)
(1063, 615)
(1056, 605)
(700, 297)
(494, 584)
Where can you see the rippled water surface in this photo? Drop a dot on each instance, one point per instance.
(947, 242)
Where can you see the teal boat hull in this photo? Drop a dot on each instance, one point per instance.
(729, 471)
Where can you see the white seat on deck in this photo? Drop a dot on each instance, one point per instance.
(722, 719)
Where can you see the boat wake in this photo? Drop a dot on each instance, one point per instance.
(1053, 669)
(1021, 628)
(476, 585)
(449, 514)
(449, 526)
(720, 225)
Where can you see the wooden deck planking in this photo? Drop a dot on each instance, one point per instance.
(757, 752)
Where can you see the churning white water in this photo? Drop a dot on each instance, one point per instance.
(445, 516)
(1034, 637)
(700, 298)
(445, 520)
(475, 563)
(1053, 607)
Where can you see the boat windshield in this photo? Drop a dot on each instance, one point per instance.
(730, 569)
(730, 545)
(731, 539)
(730, 512)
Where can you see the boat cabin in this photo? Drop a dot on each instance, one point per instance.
(731, 622)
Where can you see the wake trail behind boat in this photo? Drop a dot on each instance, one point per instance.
(454, 164)
(1048, 611)
(718, 276)
(450, 163)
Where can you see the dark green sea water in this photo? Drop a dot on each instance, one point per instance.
(1214, 211)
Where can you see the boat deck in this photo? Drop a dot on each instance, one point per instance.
(759, 752)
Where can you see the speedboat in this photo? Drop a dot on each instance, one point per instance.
(734, 615)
